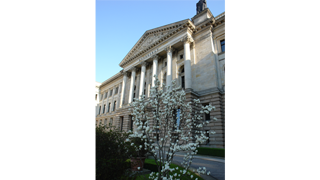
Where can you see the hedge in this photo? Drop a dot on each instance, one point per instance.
(151, 165)
(211, 151)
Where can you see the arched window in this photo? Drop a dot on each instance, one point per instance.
(111, 121)
(104, 108)
(109, 107)
(114, 105)
(105, 122)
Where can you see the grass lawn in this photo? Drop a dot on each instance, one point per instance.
(187, 177)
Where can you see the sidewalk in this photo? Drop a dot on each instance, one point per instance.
(215, 159)
(205, 158)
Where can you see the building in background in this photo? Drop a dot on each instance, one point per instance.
(192, 52)
(97, 96)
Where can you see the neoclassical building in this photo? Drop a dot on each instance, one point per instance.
(192, 52)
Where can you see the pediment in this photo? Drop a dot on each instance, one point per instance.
(152, 37)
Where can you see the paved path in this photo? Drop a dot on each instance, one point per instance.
(214, 165)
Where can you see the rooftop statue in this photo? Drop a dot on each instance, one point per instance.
(201, 5)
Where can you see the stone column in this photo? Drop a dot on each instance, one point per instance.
(112, 104)
(124, 81)
(187, 61)
(169, 66)
(143, 72)
(118, 98)
(133, 75)
(154, 67)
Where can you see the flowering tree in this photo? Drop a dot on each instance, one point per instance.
(167, 124)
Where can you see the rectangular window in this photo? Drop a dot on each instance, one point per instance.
(206, 116)
(96, 96)
(111, 92)
(222, 43)
(131, 124)
(181, 56)
(121, 121)
(116, 92)
(182, 82)
(178, 118)
(165, 64)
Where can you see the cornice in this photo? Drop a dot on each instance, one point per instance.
(207, 23)
(111, 79)
(179, 27)
(219, 20)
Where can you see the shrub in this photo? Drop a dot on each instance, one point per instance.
(111, 154)
(211, 151)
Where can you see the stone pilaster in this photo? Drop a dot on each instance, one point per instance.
(118, 98)
(107, 102)
(113, 92)
(101, 103)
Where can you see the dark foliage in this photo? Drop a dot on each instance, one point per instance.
(111, 154)
(211, 151)
(142, 152)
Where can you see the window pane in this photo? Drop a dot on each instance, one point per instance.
(222, 43)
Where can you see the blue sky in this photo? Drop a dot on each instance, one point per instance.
(120, 24)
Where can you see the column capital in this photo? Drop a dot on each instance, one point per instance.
(156, 57)
(170, 49)
(133, 69)
(187, 39)
(125, 73)
(144, 63)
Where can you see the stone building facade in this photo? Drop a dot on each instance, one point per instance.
(97, 94)
(190, 52)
